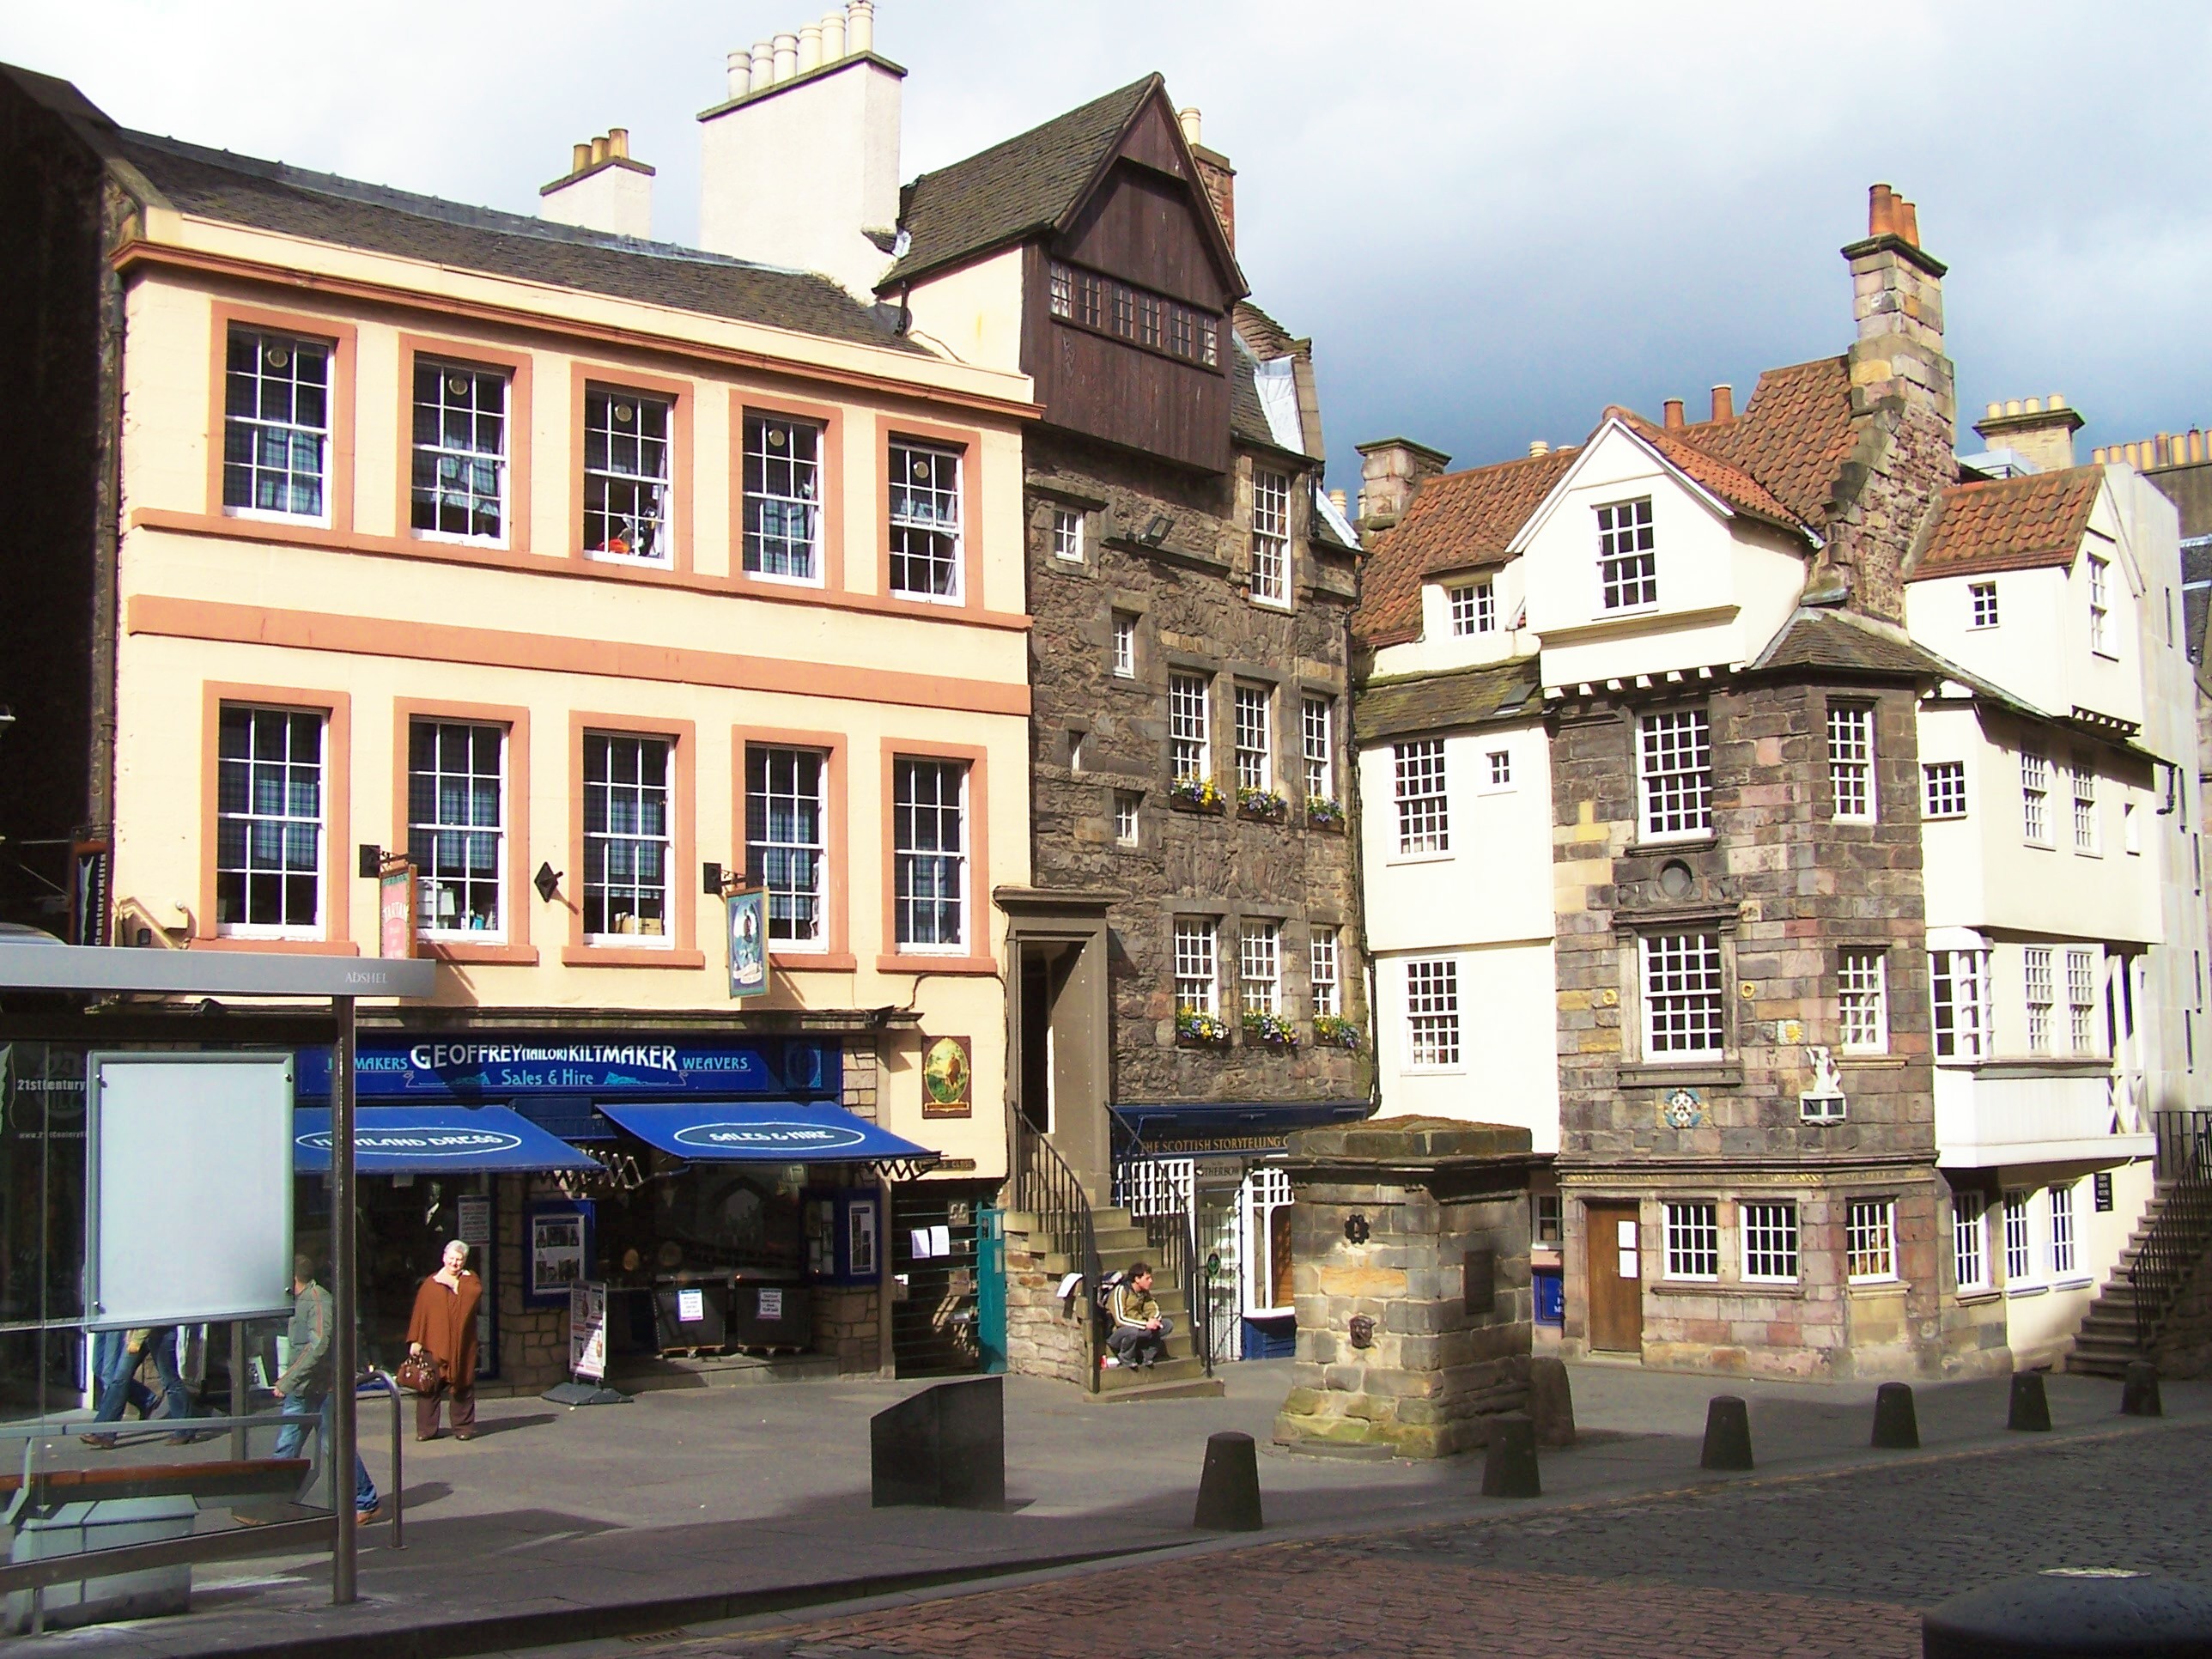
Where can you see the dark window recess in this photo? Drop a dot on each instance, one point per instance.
(934, 1296)
(1145, 318)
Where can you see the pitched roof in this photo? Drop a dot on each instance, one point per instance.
(1793, 437)
(1028, 183)
(1458, 520)
(1441, 702)
(2008, 524)
(1742, 492)
(322, 207)
(1834, 641)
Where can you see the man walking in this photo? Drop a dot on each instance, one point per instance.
(305, 1387)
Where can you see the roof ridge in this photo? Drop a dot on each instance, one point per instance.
(1069, 116)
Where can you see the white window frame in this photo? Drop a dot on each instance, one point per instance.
(650, 495)
(1190, 727)
(466, 465)
(1982, 602)
(1693, 1239)
(1851, 761)
(1317, 736)
(1260, 967)
(1473, 607)
(776, 846)
(1266, 1191)
(1870, 1241)
(2081, 998)
(2039, 994)
(1254, 709)
(2022, 1267)
(1067, 528)
(1271, 539)
(605, 785)
(1197, 965)
(2035, 798)
(1627, 557)
(919, 844)
(2063, 1231)
(1681, 978)
(1970, 1242)
(1768, 1228)
(446, 843)
(2100, 607)
(1943, 790)
(1128, 820)
(1421, 793)
(272, 820)
(782, 495)
(1497, 770)
(1959, 998)
(1324, 970)
(1125, 644)
(2087, 840)
(927, 533)
(250, 421)
(1433, 1033)
(1674, 775)
(1862, 999)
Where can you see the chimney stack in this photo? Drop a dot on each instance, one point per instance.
(1723, 403)
(1670, 412)
(1215, 173)
(800, 166)
(605, 189)
(1392, 469)
(1896, 298)
(2040, 431)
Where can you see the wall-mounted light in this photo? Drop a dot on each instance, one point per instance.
(368, 861)
(547, 882)
(1156, 532)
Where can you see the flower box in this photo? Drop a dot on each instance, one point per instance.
(1194, 795)
(1264, 806)
(1270, 1031)
(1334, 1031)
(1322, 814)
(1195, 1028)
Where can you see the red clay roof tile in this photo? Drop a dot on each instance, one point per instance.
(2009, 523)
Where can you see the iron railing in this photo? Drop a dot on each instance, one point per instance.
(2180, 1232)
(1047, 1189)
(1167, 1241)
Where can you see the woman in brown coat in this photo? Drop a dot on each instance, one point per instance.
(445, 1327)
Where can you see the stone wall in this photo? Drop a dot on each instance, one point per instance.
(533, 1341)
(845, 1326)
(1045, 1332)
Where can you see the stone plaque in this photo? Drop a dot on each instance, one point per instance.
(1481, 1280)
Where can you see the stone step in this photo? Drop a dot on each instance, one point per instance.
(1189, 1388)
(1177, 1368)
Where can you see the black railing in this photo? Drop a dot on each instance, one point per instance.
(2173, 1248)
(1167, 1241)
(1046, 1188)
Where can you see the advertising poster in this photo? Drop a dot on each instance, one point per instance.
(587, 1330)
(748, 937)
(560, 1254)
(861, 1242)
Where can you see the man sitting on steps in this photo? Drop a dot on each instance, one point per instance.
(1139, 1336)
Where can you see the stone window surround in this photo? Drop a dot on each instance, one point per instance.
(1634, 1069)
(1292, 924)
(1040, 502)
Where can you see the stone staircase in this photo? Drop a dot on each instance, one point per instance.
(2106, 1341)
(1122, 1242)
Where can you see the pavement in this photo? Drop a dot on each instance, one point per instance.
(692, 1516)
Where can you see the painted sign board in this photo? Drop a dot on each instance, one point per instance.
(747, 933)
(395, 908)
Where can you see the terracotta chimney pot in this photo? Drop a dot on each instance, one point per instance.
(1724, 403)
(1671, 412)
(1882, 211)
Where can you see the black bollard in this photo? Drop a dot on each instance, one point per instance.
(1508, 1462)
(1896, 1427)
(945, 1446)
(1728, 1434)
(1229, 1489)
(2071, 1611)
(2030, 1408)
(2139, 1394)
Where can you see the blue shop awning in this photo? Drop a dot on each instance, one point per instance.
(1190, 1126)
(425, 1139)
(763, 1131)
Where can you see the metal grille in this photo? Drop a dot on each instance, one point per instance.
(783, 495)
(1628, 569)
(1155, 1186)
(276, 430)
(456, 822)
(1424, 814)
(1676, 752)
(934, 1328)
(925, 525)
(460, 450)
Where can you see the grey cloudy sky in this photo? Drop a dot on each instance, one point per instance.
(1492, 218)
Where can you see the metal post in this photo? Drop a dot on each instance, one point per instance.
(886, 1357)
(344, 1341)
(238, 1401)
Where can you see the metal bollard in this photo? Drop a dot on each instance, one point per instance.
(1728, 1434)
(2031, 1407)
(1229, 1487)
(2073, 1611)
(1896, 1425)
(2139, 1394)
(1509, 1461)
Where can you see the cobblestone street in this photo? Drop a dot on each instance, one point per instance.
(1837, 1565)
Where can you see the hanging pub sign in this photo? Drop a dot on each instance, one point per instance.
(948, 1077)
(395, 907)
(747, 915)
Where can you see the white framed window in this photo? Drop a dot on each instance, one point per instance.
(1683, 1001)
(2100, 607)
(1970, 1241)
(1265, 1202)
(1260, 967)
(1317, 722)
(783, 499)
(457, 827)
(276, 425)
(1328, 990)
(1982, 600)
(2034, 797)
(268, 821)
(1255, 738)
(1943, 789)
(1498, 769)
(1870, 1240)
(2081, 998)
(2019, 1238)
(1067, 535)
(1271, 537)
(1693, 1238)
(1124, 646)
(1769, 1242)
(1197, 976)
(2085, 807)
(458, 486)
(1432, 1015)
(2063, 1257)
(1674, 755)
(1959, 991)
(1473, 607)
(2035, 964)
(1627, 566)
(627, 481)
(1424, 814)
(628, 785)
(1861, 999)
(1190, 727)
(1851, 761)
(926, 522)
(929, 817)
(1128, 819)
(786, 840)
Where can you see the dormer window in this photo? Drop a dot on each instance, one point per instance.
(1474, 608)
(1627, 569)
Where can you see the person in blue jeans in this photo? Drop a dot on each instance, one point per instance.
(305, 1387)
(115, 1357)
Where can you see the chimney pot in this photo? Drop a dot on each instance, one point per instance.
(1189, 121)
(1993, 412)
(810, 47)
(598, 150)
(1538, 446)
(861, 25)
(2056, 400)
(740, 65)
(2196, 445)
(833, 36)
(1908, 221)
(1724, 403)
(1882, 211)
(1336, 499)
(579, 157)
(786, 57)
(2034, 406)
(619, 142)
(764, 65)
(2013, 406)
(1671, 412)
(2097, 456)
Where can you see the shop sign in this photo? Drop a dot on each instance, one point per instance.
(948, 1077)
(395, 907)
(770, 1136)
(498, 1067)
(587, 1330)
(747, 932)
(421, 1143)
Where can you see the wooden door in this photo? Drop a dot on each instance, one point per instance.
(1614, 1269)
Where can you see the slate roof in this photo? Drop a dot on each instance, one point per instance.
(2008, 524)
(1442, 702)
(1458, 520)
(1248, 421)
(323, 207)
(1007, 192)
(1838, 641)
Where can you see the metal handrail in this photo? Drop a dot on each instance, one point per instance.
(1046, 1187)
(2175, 1246)
(1168, 1237)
